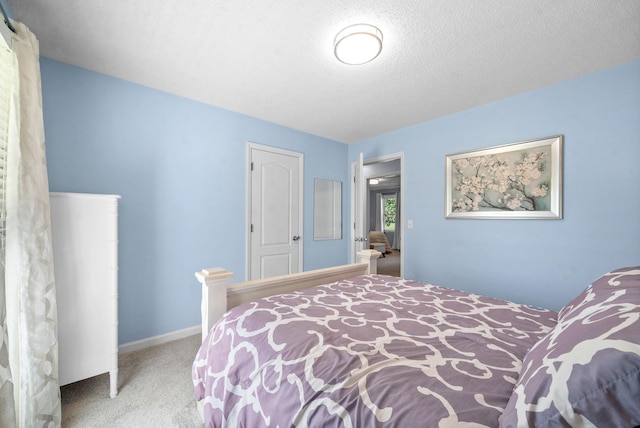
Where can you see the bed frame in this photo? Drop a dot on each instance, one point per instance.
(218, 296)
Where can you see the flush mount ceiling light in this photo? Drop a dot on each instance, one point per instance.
(358, 44)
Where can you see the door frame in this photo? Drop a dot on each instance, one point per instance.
(367, 161)
(300, 157)
(356, 171)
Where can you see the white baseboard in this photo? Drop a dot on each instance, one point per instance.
(158, 340)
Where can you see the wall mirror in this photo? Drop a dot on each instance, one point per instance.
(327, 210)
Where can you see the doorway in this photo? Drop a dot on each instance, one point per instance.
(275, 211)
(380, 221)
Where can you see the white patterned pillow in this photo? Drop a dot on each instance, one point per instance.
(586, 371)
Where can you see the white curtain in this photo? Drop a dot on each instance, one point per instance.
(29, 387)
(379, 212)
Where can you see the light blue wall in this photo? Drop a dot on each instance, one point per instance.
(7, 8)
(180, 168)
(539, 262)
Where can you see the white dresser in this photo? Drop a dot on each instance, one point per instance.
(84, 231)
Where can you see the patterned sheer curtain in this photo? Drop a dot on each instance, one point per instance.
(29, 387)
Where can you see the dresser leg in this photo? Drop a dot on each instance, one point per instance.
(113, 377)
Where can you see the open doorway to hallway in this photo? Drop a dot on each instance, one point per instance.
(383, 213)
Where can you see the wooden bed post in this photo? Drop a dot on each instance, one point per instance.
(214, 295)
(371, 258)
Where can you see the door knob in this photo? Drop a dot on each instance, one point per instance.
(295, 238)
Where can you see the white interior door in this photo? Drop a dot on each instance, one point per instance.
(360, 238)
(275, 212)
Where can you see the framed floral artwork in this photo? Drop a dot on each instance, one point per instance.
(515, 181)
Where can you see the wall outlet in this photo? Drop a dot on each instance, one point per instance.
(409, 224)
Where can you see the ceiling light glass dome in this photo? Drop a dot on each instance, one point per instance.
(358, 44)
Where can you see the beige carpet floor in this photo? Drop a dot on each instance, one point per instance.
(390, 264)
(154, 390)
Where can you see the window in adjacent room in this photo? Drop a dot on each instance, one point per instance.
(388, 210)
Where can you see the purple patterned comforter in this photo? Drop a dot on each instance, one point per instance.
(371, 351)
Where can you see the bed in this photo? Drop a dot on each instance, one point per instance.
(372, 350)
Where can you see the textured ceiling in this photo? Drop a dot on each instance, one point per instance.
(274, 60)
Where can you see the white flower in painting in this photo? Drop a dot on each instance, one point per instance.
(529, 169)
(513, 203)
(461, 164)
(460, 205)
(476, 202)
(534, 174)
(475, 161)
(540, 191)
